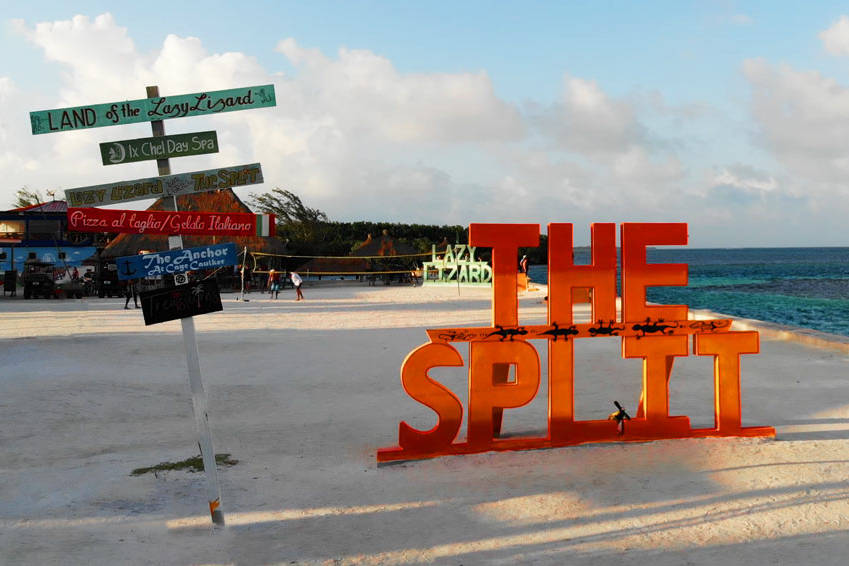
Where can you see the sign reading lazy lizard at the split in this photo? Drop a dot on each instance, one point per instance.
(167, 185)
(162, 147)
(168, 222)
(656, 334)
(176, 261)
(150, 109)
(183, 301)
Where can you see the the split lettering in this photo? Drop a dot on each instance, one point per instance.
(657, 334)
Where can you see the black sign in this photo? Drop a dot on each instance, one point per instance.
(162, 305)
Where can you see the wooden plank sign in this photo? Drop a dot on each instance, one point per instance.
(151, 109)
(162, 305)
(166, 185)
(168, 222)
(174, 262)
(162, 147)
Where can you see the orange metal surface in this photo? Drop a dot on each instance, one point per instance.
(488, 396)
(564, 275)
(431, 393)
(637, 274)
(505, 241)
(656, 334)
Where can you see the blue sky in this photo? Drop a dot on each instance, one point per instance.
(731, 116)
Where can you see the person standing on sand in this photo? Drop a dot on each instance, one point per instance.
(523, 264)
(273, 283)
(131, 292)
(297, 281)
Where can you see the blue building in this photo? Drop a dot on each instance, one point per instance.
(40, 232)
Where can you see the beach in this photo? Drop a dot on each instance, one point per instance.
(302, 394)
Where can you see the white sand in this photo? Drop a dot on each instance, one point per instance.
(303, 394)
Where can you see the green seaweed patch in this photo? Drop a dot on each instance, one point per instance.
(189, 464)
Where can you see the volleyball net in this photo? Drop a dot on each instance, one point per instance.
(334, 266)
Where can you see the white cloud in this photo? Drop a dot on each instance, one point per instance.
(360, 139)
(588, 121)
(368, 96)
(746, 178)
(802, 119)
(836, 38)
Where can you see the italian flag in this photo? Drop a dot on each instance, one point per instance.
(266, 224)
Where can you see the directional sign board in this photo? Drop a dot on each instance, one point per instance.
(168, 222)
(162, 305)
(177, 261)
(166, 185)
(162, 147)
(150, 109)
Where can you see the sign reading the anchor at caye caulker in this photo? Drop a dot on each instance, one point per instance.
(177, 261)
(655, 333)
(151, 109)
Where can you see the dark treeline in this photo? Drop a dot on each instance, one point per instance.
(341, 238)
(308, 231)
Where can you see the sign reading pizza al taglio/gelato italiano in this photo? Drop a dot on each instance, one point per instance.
(167, 185)
(151, 109)
(176, 261)
(162, 147)
(168, 222)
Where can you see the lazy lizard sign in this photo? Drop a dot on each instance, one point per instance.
(655, 333)
(457, 265)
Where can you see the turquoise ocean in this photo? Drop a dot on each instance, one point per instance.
(806, 287)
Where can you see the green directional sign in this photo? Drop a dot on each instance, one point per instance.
(150, 109)
(163, 147)
(166, 185)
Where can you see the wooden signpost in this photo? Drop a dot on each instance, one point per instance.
(145, 149)
(185, 301)
(165, 185)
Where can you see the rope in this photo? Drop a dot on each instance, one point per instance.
(345, 256)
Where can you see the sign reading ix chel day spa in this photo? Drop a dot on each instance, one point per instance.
(176, 261)
(159, 147)
(151, 109)
(657, 334)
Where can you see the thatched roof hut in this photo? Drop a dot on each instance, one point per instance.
(383, 246)
(224, 200)
(335, 266)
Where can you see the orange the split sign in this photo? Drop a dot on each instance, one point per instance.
(657, 334)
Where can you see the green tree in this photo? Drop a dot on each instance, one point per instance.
(295, 220)
(26, 197)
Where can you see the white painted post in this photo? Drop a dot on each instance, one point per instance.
(199, 400)
(242, 271)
